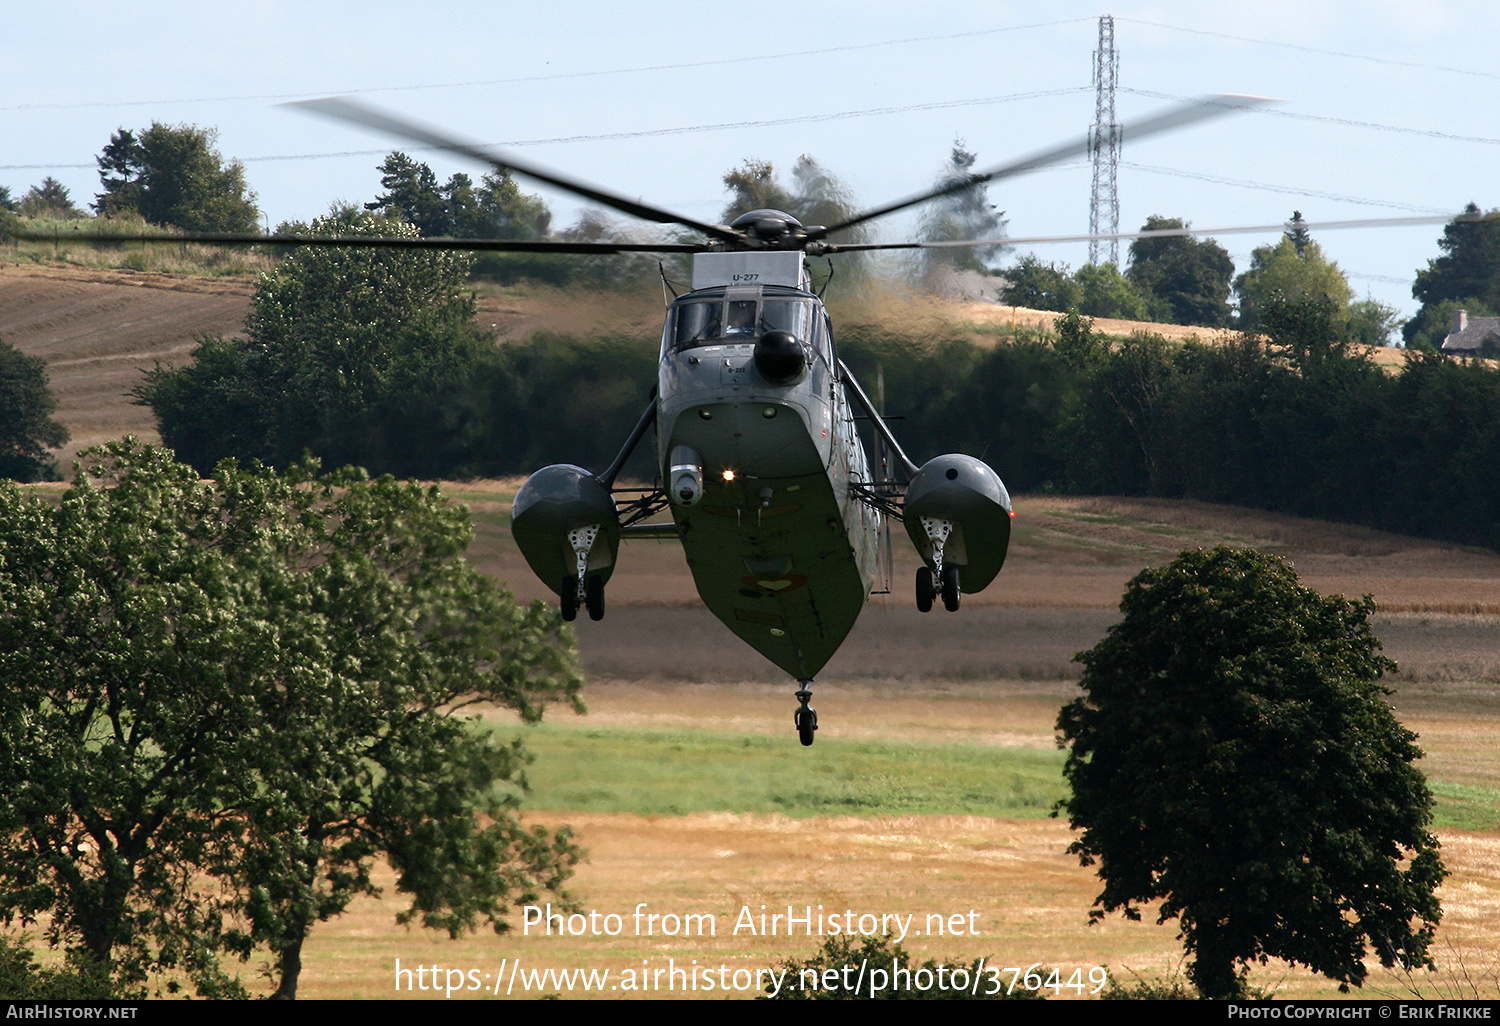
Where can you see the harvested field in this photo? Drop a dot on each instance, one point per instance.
(991, 676)
(1029, 898)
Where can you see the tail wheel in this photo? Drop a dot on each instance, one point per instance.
(925, 589)
(593, 596)
(951, 593)
(569, 595)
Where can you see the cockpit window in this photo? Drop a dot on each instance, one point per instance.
(697, 324)
(739, 321)
(787, 315)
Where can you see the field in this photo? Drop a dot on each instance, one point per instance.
(929, 787)
(928, 790)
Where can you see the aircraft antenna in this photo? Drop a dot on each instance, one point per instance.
(1104, 146)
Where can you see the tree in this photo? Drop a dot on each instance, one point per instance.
(172, 175)
(1190, 276)
(817, 197)
(497, 209)
(1466, 276)
(411, 195)
(27, 429)
(961, 215)
(225, 699)
(1372, 322)
(1234, 758)
(1105, 292)
(1296, 272)
(367, 356)
(1297, 233)
(50, 199)
(753, 186)
(505, 212)
(1040, 286)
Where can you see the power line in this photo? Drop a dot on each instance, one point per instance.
(680, 130)
(1314, 49)
(1287, 189)
(557, 76)
(1278, 112)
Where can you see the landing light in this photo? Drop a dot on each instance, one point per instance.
(768, 412)
(729, 475)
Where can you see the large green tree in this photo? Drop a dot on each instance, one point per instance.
(1041, 286)
(1190, 276)
(226, 699)
(27, 429)
(172, 175)
(365, 356)
(1295, 272)
(1234, 758)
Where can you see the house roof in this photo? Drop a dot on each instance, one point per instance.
(1475, 331)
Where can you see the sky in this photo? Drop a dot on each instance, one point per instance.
(1388, 104)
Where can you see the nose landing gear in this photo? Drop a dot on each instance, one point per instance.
(806, 717)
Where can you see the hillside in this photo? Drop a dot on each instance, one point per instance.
(100, 328)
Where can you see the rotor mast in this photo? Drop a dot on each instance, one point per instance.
(1104, 146)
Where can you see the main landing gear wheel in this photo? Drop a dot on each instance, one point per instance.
(950, 588)
(593, 596)
(568, 593)
(806, 717)
(925, 591)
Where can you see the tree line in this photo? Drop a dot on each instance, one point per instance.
(1184, 280)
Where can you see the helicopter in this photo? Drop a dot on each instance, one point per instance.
(782, 511)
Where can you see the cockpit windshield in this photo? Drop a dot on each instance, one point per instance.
(717, 322)
(697, 324)
(787, 315)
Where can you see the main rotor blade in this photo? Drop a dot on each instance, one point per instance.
(1201, 109)
(1165, 233)
(343, 108)
(373, 242)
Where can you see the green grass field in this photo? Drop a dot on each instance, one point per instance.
(676, 772)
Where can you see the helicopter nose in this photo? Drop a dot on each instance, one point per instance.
(779, 357)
